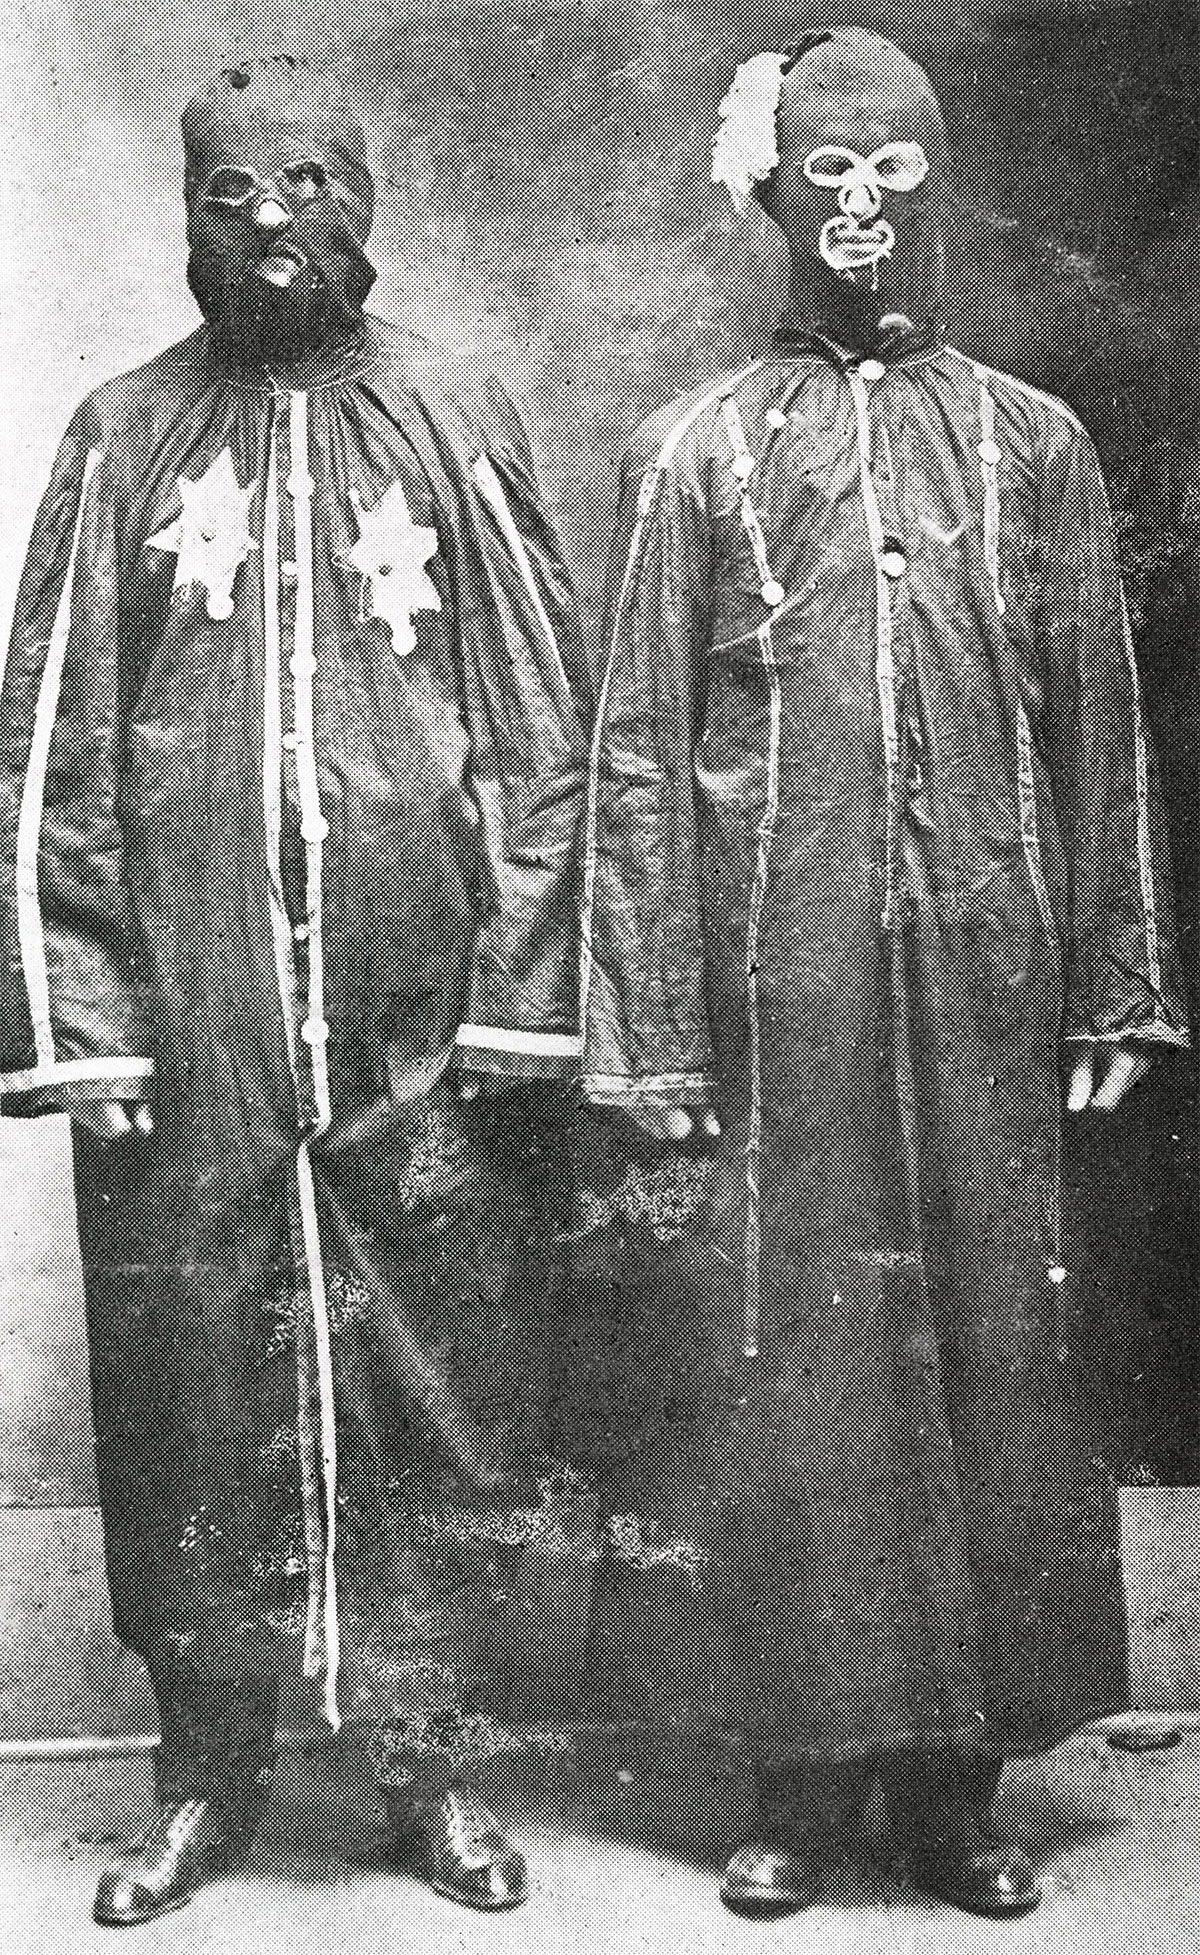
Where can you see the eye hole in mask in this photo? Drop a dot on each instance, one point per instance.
(900, 166)
(305, 179)
(229, 189)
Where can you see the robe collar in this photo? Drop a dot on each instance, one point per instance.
(893, 348)
(326, 367)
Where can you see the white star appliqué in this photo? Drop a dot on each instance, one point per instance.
(210, 537)
(391, 554)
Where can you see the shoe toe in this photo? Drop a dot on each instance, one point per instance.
(495, 1875)
(765, 1880)
(998, 1883)
(1011, 1878)
(493, 1885)
(121, 1900)
(188, 1843)
(505, 1882)
(462, 1851)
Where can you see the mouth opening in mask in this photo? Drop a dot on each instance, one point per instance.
(852, 248)
(281, 267)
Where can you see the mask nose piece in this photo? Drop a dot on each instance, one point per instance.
(272, 216)
(860, 200)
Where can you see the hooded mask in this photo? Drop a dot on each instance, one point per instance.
(279, 205)
(843, 145)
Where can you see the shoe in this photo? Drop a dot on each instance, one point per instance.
(941, 1815)
(804, 1813)
(456, 1845)
(981, 1877)
(188, 1844)
(769, 1877)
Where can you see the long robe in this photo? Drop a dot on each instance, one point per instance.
(289, 788)
(872, 830)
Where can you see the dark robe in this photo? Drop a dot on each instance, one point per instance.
(873, 829)
(289, 787)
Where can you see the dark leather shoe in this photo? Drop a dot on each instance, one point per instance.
(456, 1845)
(187, 1845)
(981, 1877)
(769, 1877)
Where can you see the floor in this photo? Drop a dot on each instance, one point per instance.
(623, 1857)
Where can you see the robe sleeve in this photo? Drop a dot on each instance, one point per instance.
(1122, 973)
(646, 1033)
(71, 1022)
(519, 647)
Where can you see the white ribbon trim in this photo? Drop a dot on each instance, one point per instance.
(300, 489)
(492, 490)
(73, 1072)
(498, 1038)
(758, 894)
(30, 929)
(885, 665)
(314, 1656)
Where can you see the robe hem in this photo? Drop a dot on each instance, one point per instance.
(554, 1733)
(963, 1741)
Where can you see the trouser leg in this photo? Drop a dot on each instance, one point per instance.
(216, 1742)
(942, 1824)
(814, 1802)
(944, 1801)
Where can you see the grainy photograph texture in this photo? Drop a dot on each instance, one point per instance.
(598, 801)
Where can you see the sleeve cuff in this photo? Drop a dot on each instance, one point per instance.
(518, 1054)
(1159, 1031)
(665, 1089)
(67, 1083)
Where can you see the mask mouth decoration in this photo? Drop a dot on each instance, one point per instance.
(849, 247)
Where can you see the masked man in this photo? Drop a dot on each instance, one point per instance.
(872, 841)
(290, 779)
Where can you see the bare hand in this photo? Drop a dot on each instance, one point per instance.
(677, 1124)
(485, 1086)
(1101, 1075)
(112, 1120)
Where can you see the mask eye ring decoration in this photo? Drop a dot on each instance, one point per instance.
(897, 166)
(231, 187)
(831, 166)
